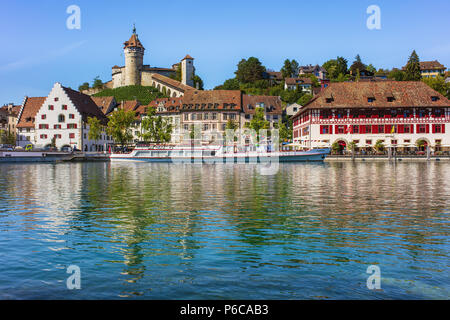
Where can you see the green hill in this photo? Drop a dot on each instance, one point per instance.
(143, 94)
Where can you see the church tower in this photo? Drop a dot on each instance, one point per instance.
(134, 60)
(187, 71)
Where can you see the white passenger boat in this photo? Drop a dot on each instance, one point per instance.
(216, 154)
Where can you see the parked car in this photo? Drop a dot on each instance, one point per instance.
(28, 147)
(66, 149)
(50, 148)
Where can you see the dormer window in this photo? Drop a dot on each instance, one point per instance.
(434, 98)
(370, 99)
(328, 100)
(390, 99)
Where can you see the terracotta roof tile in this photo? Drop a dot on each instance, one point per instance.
(171, 82)
(29, 110)
(357, 94)
(133, 42)
(272, 104)
(212, 99)
(292, 81)
(85, 105)
(104, 103)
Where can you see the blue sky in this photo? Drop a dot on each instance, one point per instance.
(38, 49)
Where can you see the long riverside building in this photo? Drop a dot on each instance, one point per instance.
(399, 113)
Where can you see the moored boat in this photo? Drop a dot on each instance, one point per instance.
(34, 156)
(216, 154)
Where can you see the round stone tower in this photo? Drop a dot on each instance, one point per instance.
(134, 60)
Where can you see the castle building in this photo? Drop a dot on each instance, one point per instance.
(401, 114)
(136, 73)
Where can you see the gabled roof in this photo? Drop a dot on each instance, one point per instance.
(427, 65)
(406, 94)
(104, 103)
(129, 105)
(272, 104)
(85, 105)
(29, 110)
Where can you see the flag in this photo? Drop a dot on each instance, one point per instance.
(393, 129)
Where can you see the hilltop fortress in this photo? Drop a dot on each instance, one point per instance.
(136, 73)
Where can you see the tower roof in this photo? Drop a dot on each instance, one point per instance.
(134, 41)
(187, 57)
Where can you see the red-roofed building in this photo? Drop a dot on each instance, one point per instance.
(63, 115)
(400, 113)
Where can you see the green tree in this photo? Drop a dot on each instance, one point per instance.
(231, 125)
(357, 66)
(371, 68)
(331, 66)
(412, 72)
(230, 84)
(84, 86)
(397, 75)
(285, 131)
(258, 121)
(249, 70)
(379, 146)
(156, 128)
(198, 82)
(95, 129)
(439, 85)
(7, 137)
(178, 73)
(287, 70)
(97, 84)
(119, 125)
(304, 99)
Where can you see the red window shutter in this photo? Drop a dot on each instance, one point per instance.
(375, 129)
(331, 129)
(427, 128)
(443, 128)
(362, 129)
(401, 128)
(433, 128)
(387, 128)
(417, 128)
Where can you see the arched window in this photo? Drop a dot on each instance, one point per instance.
(61, 118)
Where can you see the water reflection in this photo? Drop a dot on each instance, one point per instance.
(225, 231)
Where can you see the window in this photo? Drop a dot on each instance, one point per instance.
(206, 116)
(224, 126)
(393, 142)
(71, 116)
(325, 129)
(43, 116)
(355, 129)
(61, 118)
(199, 116)
(370, 99)
(407, 141)
(205, 127)
(380, 128)
(186, 127)
(50, 107)
(368, 129)
(434, 98)
(225, 116)
(340, 129)
(390, 99)
(368, 142)
(64, 107)
(193, 117)
(422, 128)
(43, 126)
(56, 99)
(186, 117)
(43, 136)
(214, 116)
(247, 116)
(57, 136)
(71, 126)
(57, 126)
(71, 135)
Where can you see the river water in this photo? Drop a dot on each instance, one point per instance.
(165, 231)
